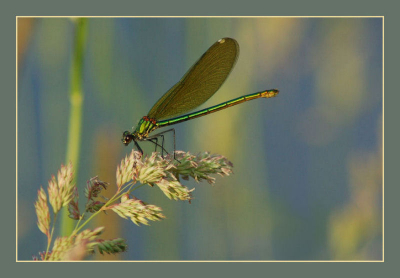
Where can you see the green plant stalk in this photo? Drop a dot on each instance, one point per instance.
(49, 239)
(116, 197)
(75, 117)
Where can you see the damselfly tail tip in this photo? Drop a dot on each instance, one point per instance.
(270, 93)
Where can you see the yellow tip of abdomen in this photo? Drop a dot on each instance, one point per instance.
(270, 93)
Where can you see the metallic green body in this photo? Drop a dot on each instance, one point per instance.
(147, 125)
(144, 127)
(218, 107)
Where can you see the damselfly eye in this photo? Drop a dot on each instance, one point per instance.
(126, 138)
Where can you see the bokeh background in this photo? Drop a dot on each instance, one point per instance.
(307, 181)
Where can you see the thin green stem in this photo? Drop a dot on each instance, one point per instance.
(129, 184)
(109, 202)
(87, 220)
(114, 198)
(75, 116)
(122, 192)
(51, 236)
(139, 186)
(79, 221)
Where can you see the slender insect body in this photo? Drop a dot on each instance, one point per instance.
(218, 107)
(201, 82)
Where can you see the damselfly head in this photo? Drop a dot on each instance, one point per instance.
(127, 137)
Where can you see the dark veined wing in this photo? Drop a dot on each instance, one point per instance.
(201, 81)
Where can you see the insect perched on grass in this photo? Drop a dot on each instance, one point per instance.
(202, 81)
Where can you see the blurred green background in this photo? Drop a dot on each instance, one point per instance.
(307, 181)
